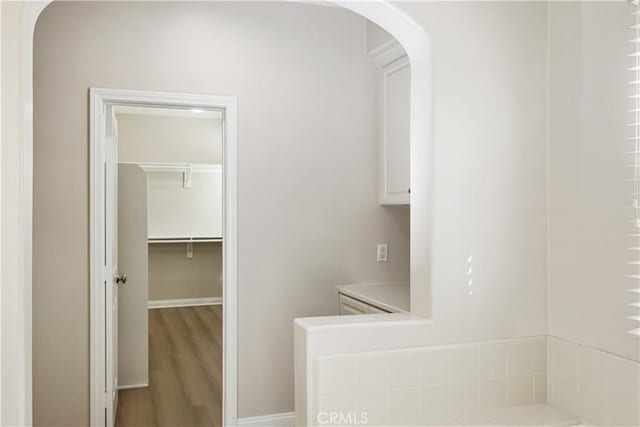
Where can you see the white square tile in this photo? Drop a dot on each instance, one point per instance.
(371, 372)
(540, 355)
(434, 365)
(592, 405)
(463, 397)
(404, 369)
(492, 393)
(622, 400)
(434, 408)
(540, 388)
(463, 364)
(336, 375)
(404, 408)
(563, 359)
(591, 368)
(492, 360)
(331, 409)
(373, 407)
(564, 394)
(520, 357)
(520, 390)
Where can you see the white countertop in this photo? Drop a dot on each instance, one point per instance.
(392, 297)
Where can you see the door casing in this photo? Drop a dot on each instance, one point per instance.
(100, 99)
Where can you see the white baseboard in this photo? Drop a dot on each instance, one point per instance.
(286, 419)
(127, 387)
(184, 302)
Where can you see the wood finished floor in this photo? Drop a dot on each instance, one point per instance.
(185, 371)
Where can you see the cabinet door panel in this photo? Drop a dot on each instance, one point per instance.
(346, 310)
(352, 306)
(376, 310)
(396, 84)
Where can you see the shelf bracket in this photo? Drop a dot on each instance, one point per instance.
(186, 178)
(189, 250)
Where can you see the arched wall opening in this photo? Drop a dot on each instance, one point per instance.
(409, 34)
(415, 40)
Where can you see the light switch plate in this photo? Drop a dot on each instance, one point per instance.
(382, 252)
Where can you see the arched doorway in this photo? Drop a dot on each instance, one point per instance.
(17, 224)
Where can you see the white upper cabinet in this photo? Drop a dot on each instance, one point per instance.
(394, 146)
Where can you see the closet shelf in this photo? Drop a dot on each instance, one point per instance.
(184, 239)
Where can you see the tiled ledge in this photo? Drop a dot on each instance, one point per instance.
(539, 415)
(431, 385)
(463, 384)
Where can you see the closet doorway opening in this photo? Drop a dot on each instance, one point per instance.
(163, 258)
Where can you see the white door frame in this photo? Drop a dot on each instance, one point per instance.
(99, 100)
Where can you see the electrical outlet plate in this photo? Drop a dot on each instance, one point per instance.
(382, 252)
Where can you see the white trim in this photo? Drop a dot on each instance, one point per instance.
(285, 419)
(184, 302)
(131, 386)
(99, 100)
(230, 264)
(387, 52)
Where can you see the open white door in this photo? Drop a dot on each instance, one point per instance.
(111, 260)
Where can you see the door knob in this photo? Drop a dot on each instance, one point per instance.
(121, 279)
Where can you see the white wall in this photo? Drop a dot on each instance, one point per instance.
(308, 212)
(587, 189)
(174, 276)
(490, 125)
(164, 139)
(376, 36)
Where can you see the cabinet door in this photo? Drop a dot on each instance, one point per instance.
(352, 306)
(376, 310)
(395, 152)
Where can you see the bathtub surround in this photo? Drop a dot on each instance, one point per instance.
(432, 385)
(602, 388)
(444, 385)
